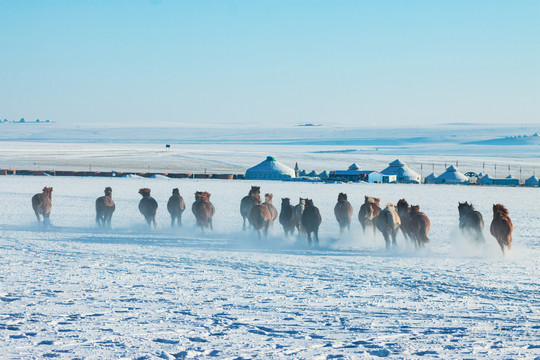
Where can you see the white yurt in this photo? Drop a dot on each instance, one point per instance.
(404, 174)
(270, 169)
(532, 181)
(486, 180)
(452, 176)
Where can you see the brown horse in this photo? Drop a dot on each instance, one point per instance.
(248, 202)
(41, 203)
(311, 220)
(343, 211)
(419, 225)
(501, 227)
(298, 211)
(369, 211)
(203, 210)
(176, 207)
(259, 217)
(403, 211)
(268, 203)
(388, 223)
(286, 216)
(148, 207)
(104, 208)
(471, 222)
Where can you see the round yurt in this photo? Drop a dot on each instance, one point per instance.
(486, 180)
(404, 174)
(532, 181)
(452, 176)
(270, 169)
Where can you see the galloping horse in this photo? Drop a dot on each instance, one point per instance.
(286, 216)
(259, 217)
(501, 227)
(176, 207)
(419, 225)
(298, 211)
(203, 210)
(403, 211)
(388, 223)
(268, 203)
(311, 220)
(471, 222)
(148, 207)
(248, 202)
(369, 211)
(343, 211)
(41, 203)
(104, 208)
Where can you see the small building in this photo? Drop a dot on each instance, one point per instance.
(532, 181)
(452, 176)
(430, 179)
(270, 169)
(353, 173)
(323, 175)
(486, 180)
(403, 173)
(507, 181)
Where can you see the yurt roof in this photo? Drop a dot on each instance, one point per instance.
(271, 165)
(397, 162)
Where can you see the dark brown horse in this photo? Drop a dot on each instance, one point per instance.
(471, 222)
(419, 225)
(369, 211)
(176, 207)
(343, 211)
(104, 208)
(41, 203)
(501, 227)
(286, 216)
(248, 202)
(259, 217)
(403, 211)
(298, 211)
(388, 223)
(148, 207)
(268, 203)
(203, 210)
(311, 220)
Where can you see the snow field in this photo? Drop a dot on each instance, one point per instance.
(76, 291)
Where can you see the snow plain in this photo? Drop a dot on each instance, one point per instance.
(74, 291)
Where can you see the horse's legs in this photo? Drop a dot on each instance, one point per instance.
(37, 216)
(244, 225)
(316, 232)
(386, 239)
(211, 225)
(172, 221)
(179, 220)
(394, 234)
(309, 238)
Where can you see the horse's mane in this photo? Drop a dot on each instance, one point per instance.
(255, 190)
(144, 191)
(390, 206)
(108, 191)
(175, 191)
(371, 200)
(268, 197)
(342, 196)
(402, 203)
(309, 202)
(499, 209)
(466, 205)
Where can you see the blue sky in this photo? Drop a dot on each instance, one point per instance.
(274, 62)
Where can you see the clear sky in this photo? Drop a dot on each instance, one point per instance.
(279, 62)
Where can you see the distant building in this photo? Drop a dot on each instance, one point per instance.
(403, 173)
(353, 173)
(507, 181)
(430, 179)
(532, 181)
(270, 169)
(452, 176)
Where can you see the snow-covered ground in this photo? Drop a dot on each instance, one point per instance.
(76, 291)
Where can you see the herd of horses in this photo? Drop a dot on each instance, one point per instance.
(304, 217)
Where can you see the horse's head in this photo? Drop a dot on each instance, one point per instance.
(415, 209)
(342, 197)
(268, 197)
(257, 198)
(376, 201)
(285, 201)
(255, 190)
(144, 192)
(108, 191)
(309, 202)
(464, 208)
(48, 191)
(198, 195)
(499, 209)
(206, 195)
(176, 192)
(302, 201)
(402, 204)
